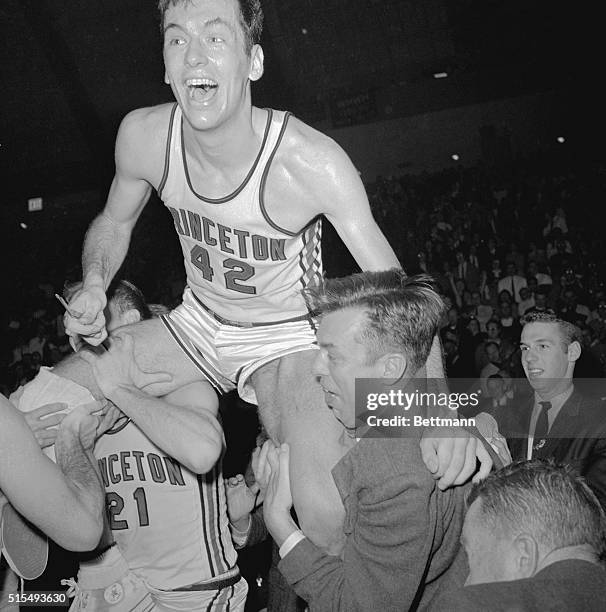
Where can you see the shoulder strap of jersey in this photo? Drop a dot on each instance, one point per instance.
(267, 218)
(169, 140)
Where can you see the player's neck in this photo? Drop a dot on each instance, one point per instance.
(232, 144)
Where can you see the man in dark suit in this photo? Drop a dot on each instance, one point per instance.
(534, 535)
(467, 271)
(401, 532)
(560, 423)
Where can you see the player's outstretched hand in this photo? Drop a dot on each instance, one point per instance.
(84, 316)
(118, 367)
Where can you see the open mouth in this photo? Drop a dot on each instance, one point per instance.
(201, 90)
(326, 391)
(328, 396)
(533, 372)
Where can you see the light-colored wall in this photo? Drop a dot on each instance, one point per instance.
(427, 142)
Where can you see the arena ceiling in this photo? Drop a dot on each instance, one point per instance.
(72, 68)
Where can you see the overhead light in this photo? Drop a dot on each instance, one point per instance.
(303, 30)
(455, 157)
(34, 204)
(440, 75)
(561, 139)
(23, 225)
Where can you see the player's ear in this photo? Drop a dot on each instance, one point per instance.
(525, 553)
(166, 79)
(394, 365)
(574, 350)
(132, 315)
(256, 63)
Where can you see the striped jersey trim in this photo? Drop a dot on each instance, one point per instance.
(205, 526)
(310, 260)
(232, 195)
(215, 508)
(167, 153)
(211, 605)
(118, 427)
(210, 500)
(227, 598)
(266, 216)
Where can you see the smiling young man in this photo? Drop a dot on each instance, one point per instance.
(560, 423)
(402, 532)
(245, 187)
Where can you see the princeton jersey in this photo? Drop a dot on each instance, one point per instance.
(170, 524)
(239, 262)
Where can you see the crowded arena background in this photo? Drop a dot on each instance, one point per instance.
(482, 163)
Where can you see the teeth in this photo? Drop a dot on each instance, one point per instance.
(200, 83)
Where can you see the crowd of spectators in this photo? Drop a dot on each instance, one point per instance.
(500, 247)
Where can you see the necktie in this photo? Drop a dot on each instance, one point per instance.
(542, 426)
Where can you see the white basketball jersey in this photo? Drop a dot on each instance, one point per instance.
(170, 524)
(239, 262)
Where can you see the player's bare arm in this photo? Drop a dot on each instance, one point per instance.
(183, 423)
(139, 163)
(312, 175)
(73, 498)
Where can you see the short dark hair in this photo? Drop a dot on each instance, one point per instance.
(570, 333)
(251, 19)
(127, 296)
(551, 502)
(403, 313)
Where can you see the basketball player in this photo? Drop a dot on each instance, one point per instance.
(167, 544)
(245, 187)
